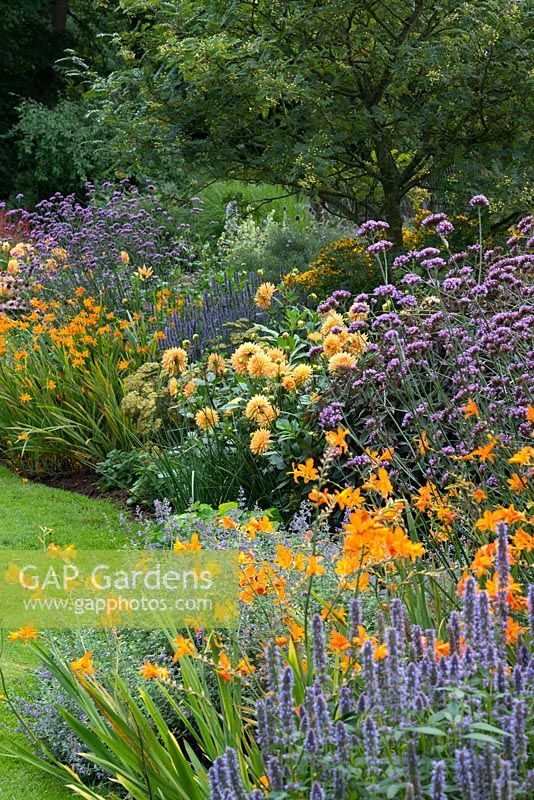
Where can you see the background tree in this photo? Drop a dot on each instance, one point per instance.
(47, 143)
(355, 102)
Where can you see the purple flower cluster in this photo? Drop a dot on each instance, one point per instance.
(448, 722)
(209, 320)
(447, 336)
(93, 234)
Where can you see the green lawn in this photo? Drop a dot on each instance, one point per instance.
(24, 509)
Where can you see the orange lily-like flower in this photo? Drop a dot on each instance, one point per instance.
(517, 483)
(524, 457)
(338, 643)
(84, 665)
(153, 672)
(223, 667)
(484, 453)
(306, 471)
(183, 647)
(27, 634)
(337, 439)
(193, 544)
(314, 568)
(470, 409)
(379, 482)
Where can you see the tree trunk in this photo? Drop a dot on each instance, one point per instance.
(392, 212)
(59, 15)
(389, 177)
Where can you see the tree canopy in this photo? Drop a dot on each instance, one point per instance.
(355, 102)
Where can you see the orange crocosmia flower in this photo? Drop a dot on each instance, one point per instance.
(284, 557)
(488, 520)
(319, 498)
(84, 665)
(254, 526)
(492, 587)
(306, 471)
(446, 515)
(484, 559)
(296, 631)
(479, 495)
(349, 498)
(153, 672)
(513, 629)
(328, 611)
(379, 482)
(425, 496)
(361, 637)
(530, 414)
(245, 667)
(27, 634)
(441, 649)
(193, 545)
(485, 452)
(470, 409)
(523, 540)
(314, 568)
(338, 642)
(337, 439)
(223, 667)
(299, 562)
(183, 647)
(380, 652)
(228, 523)
(523, 457)
(517, 483)
(423, 445)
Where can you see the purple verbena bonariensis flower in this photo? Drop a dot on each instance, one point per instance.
(380, 247)
(371, 226)
(433, 219)
(479, 200)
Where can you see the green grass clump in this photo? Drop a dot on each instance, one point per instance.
(25, 509)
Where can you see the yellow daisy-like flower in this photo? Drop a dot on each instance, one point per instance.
(216, 364)
(341, 360)
(358, 343)
(125, 258)
(25, 397)
(260, 441)
(264, 295)
(301, 373)
(332, 344)
(207, 419)
(289, 383)
(190, 388)
(239, 359)
(144, 273)
(260, 410)
(260, 366)
(174, 360)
